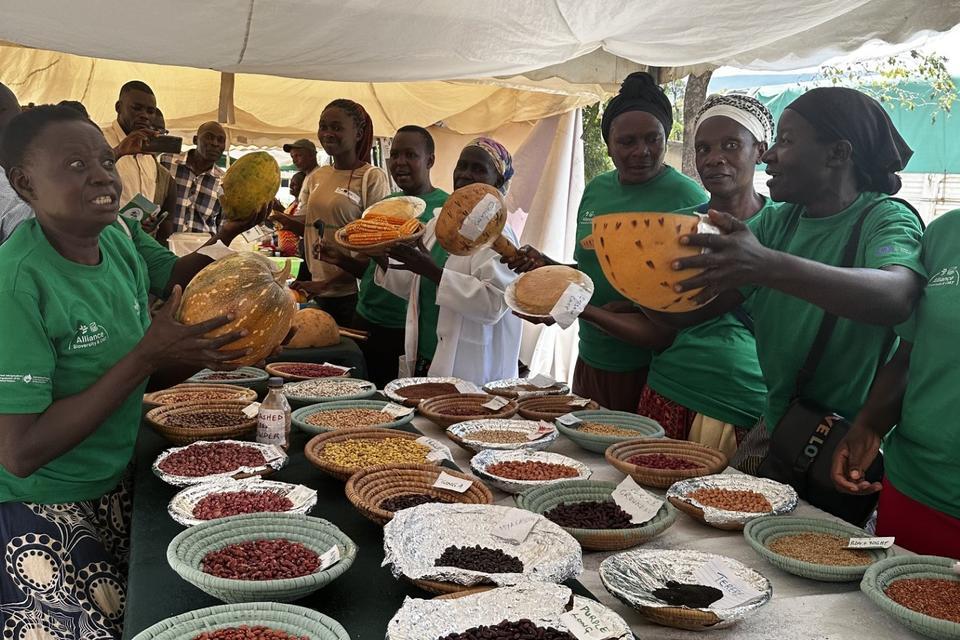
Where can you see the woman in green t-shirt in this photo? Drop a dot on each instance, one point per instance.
(79, 347)
(916, 391)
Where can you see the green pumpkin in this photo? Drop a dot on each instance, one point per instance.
(249, 184)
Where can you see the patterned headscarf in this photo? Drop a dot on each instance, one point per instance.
(746, 111)
(502, 159)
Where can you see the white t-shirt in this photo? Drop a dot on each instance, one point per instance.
(13, 210)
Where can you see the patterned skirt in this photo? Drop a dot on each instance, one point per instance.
(64, 568)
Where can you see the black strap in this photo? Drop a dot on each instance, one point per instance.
(745, 318)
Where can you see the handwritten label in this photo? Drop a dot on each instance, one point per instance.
(542, 381)
(516, 526)
(579, 402)
(496, 403)
(272, 453)
(342, 369)
(452, 483)
(479, 217)
(736, 591)
(568, 420)
(396, 411)
(330, 557)
(300, 494)
(438, 451)
(251, 410)
(870, 543)
(585, 623)
(543, 429)
(467, 387)
(639, 503)
(571, 304)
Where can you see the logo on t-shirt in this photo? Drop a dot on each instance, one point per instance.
(946, 276)
(89, 335)
(587, 217)
(28, 378)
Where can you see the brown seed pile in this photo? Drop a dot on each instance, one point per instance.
(479, 559)
(368, 452)
(261, 560)
(601, 429)
(426, 390)
(662, 461)
(231, 503)
(531, 470)
(345, 418)
(227, 375)
(730, 500)
(497, 436)
(177, 397)
(820, 548)
(205, 419)
(310, 370)
(466, 410)
(407, 500)
(520, 630)
(933, 597)
(323, 388)
(245, 632)
(207, 458)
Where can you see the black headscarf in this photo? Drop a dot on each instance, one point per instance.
(846, 114)
(639, 92)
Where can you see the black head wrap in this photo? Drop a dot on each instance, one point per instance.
(639, 92)
(839, 113)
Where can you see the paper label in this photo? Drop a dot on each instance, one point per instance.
(216, 251)
(452, 483)
(542, 381)
(870, 543)
(543, 429)
(467, 387)
(516, 526)
(570, 305)
(300, 494)
(342, 369)
(395, 410)
(568, 420)
(585, 622)
(184, 504)
(496, 403)
(272, 426)
(579, 402)
(639, 503)
(272, 453)
(735, 591)
(255, 234)
(330, 557)
(251, 410)
(479, 217)
(438, 451)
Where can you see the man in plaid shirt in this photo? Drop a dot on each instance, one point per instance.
(198, 181)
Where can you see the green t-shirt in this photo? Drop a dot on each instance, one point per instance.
(921, 453)
(376, 304)
(66, 325)
(669, 191)
(785, 326)
(429, 311)
(712, 368)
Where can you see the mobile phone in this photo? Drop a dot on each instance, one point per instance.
(319, 226)
(163, 144)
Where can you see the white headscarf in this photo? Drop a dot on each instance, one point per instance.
(749, 112)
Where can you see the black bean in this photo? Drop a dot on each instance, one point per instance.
(479, 559)
(517, 630)
(407, 500)
(590, 515)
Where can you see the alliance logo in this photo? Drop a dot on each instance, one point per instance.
(89, 335)
(946, 276)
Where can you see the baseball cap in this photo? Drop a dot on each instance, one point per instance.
(302, 143)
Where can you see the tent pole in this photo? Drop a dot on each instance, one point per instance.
(225, 110)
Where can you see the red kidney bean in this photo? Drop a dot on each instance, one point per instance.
(244, 632)
(661, 461)
(231, 503)
(206, 458)
(309, 370)
(261, 560)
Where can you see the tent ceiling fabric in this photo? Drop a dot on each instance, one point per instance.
(375, 41)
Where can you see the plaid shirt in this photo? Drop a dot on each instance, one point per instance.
(198, 204)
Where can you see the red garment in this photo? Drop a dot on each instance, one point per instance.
(916, 526)
(675, 418)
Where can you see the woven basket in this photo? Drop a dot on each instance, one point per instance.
(434, 408)
(642, 426)
(314, 448)
(542, 499)
(882, 574)
(457, 430)
(711, 460)
(782, 497)
(255, 378)
(460, 594)
(550, 407)
(156, 418)
(294, 620)
(276, 369)
(368, 488)
(300, 415)
(379, 248)
(201, 394)
(187, 549)
(762, 531)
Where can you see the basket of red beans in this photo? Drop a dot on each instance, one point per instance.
(659, 462)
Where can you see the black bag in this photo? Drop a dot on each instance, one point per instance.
(805, 439)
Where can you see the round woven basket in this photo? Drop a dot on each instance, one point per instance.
(199, 392)
(186, 551)
(157, 418)
(642, 427)
(276, 369)
(368, 390)
(550, 407)
(435, 409)
(291, 619)
(761, 532)
(710, 460)
(314, 448)
(253, 378)
(379, 248)
(782, 498)
(368, 488)
(542, 499)
(882, 574)
(459, 433)
(300, 415)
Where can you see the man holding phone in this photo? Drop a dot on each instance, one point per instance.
(198, 179)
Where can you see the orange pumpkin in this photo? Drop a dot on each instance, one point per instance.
(473, 217)
(314, 328)
(254, 290)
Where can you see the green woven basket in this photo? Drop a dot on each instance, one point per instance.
(294, 620)
(542, 499)
(763, 531)
(187, 549)
(645, 428)
(882, 574)
(254, 378)
(300, 415)
(304, 401)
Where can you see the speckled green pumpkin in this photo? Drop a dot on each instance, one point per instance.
(249, 184)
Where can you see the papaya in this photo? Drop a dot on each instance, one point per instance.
(249, 184)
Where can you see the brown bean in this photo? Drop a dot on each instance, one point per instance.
(531, 470)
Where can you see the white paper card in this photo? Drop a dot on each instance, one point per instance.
(635, 500)
(479, 217)
(870, 543)
(570, 305)
(438, 450)
(496, 403)
(330, 557)
(542, 381)
(215, 251)
(272, 452)
(251, 410)
(467, 387)
(255, 234)
(568, 420)
(395, 410)
(585, 622)
(452, 483)
(342, 369)
(516, 526)
(736, 591)
(300, 494)
(579, 402)
(543, 429)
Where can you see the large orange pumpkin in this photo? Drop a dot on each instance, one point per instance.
(314, 328)
(471, 218)
(252, 288)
